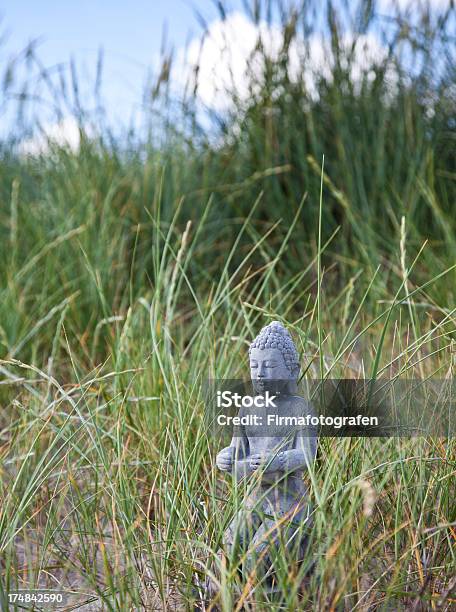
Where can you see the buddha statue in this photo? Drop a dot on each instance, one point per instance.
(271, 460)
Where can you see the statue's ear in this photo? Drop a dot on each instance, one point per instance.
(296, 369)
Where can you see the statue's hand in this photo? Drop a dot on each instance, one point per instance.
(268, 462)
(224, 459)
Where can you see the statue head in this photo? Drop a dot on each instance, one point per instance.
(273, 358)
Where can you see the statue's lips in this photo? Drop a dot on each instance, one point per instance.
(265, 383)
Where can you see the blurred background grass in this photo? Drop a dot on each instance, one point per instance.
(135, 265)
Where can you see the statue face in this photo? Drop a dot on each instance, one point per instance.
(268, 365)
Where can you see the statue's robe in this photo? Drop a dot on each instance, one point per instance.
(274, 505)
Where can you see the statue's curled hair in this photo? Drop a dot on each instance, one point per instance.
(276, 336)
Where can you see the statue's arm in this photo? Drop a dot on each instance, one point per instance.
(285, 461)
(235, 457)
(301, 454)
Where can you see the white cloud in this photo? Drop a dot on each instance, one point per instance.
(412, 4)
(224, 57)
(65, 133)
(227, 60)
(359, 55)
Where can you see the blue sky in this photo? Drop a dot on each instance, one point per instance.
(129, 32)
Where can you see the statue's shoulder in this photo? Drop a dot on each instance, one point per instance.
(298, 405)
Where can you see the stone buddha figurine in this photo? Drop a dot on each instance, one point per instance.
(271, 460)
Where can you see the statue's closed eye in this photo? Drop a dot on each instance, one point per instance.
(267, 364)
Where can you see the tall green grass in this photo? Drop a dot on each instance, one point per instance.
(132, 273)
